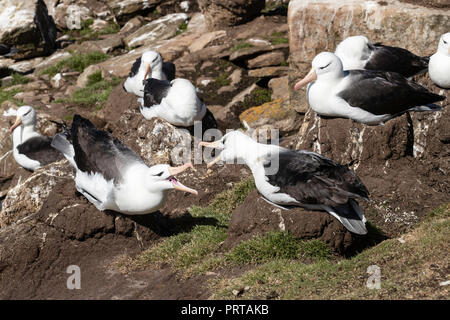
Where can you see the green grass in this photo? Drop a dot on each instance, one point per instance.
(242, 45)
(86, 33)
(222, 80)
(76, 62)
(408, 270)
(8, 95)
(194, 251)
(278, 38)
(17, 78)
(182, 28)
(95, 94)
(276, 245)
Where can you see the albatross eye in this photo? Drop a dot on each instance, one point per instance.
(445, 42)
(325, 66)
(159, 174)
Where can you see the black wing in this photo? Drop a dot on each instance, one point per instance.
(169, 70)
(313, 179)
(135, 68)
(98, 151)
(154, 91)
(380, 92)
(386, 58)
(40, 149)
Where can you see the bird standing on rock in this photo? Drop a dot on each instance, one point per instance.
(30, 149)
(439, 67)
(111, 175)
(303, 178)
(367, 96)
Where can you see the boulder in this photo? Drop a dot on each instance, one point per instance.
(124, 9)
(27, 27)
(316, 26)
(256, 216)
(225, 13)
(27, 196)
(50, 61)
(268, 72)
(274, 58)
(206, 39)
(160, 29)
(279, 87)
(276, 114)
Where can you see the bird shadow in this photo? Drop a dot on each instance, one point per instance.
(165, 225)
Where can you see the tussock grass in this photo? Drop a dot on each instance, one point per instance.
(278, 38)
(242, 45)
(76, 62)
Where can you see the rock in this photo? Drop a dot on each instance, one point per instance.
(25, 66)
(279, 87)
(257, 217)
(99, 24)
(106, 45)
(197, 24)
(277, 114)
(155, 140)
(266, 60)
(206, 39)
(26, 26)
(131, 25)
(84, 77)
(251, 52)
(28, 195)
(124, 9)
(269, 72)
(50, 61)
(118, 102)
(75, 15)
(57, 81)
(316, 26)
(226, 13)
(157, 30)
(240, 98)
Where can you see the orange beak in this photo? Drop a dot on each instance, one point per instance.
(311, 76)
(148, 69)
(16, 124)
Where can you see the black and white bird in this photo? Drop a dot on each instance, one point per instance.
(31, 150)
(439, 67)
(149, 65)
(366, 96)
(111, 175)
(297, 178)
(358, 53)
(176, 102)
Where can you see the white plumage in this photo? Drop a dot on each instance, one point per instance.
(176, 102)
(439, 66)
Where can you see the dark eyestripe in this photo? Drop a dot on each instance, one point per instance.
(26, 113)
(159, 174)
(325, 66)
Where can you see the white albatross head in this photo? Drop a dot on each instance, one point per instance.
(235, 145)
(151, 60)
(326, 65)
(444, 44)
(162, 177)
(353, 51)
(25, 116)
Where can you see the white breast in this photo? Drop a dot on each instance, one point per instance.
(439, 69)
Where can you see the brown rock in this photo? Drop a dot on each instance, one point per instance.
(276, 114)
(206, 39)
(226, 13)
(257, 217)
(248, 53)
(279, 87)
(265, 60)
(268, 72)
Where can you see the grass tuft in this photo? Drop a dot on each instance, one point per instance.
(76, 62)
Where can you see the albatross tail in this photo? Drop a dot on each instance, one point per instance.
(350, 215)
(62, 144)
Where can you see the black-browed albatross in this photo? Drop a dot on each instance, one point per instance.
(304, 178)
(31, 150)
(111, 175)
(176, 102)
(366, 96)
(149, 65)
(439, 67)
(358, 53)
